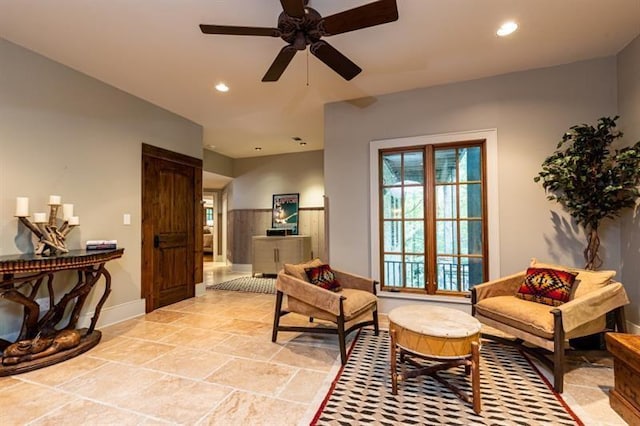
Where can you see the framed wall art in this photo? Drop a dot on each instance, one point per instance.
(285, 212)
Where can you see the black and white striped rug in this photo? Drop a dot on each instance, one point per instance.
(247, 284)
(513, 392)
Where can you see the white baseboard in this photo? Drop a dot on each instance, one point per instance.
(633, 328)
(200, 289)
(114, 314)
(241, 268)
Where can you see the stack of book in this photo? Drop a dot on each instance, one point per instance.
(101, 244)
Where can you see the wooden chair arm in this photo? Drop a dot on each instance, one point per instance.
(309, 293)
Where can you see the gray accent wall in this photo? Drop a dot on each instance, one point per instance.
(64, 133)
(629, 110)
(530, 110)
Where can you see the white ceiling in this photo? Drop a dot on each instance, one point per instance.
(155, 50)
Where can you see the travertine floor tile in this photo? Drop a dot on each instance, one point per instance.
(150, 330)
(255, 376)
(86, 412)
(257, 348)
(304, 386)
(161, 316)
(131, 351)
(208, 322)
(113, 382)
(187, 362)
(26, 402)
(247, 328)
(197, 338)
(595, 402)
(303, 356)
(8, 382)
(176, 399)
(64, 371)
(243, 408)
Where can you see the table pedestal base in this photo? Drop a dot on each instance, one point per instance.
(471, 365)
(87, 342)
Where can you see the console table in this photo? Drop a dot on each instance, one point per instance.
(45, 339)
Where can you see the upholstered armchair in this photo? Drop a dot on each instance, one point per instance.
(593, 295)
(354, 306)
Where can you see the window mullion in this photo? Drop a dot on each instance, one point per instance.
(430, 222)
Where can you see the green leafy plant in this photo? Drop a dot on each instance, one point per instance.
(590, 181)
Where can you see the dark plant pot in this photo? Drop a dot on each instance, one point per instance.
(588, 343)
(594, 341)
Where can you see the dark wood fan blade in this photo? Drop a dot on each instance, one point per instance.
(231, 30)
(335, 60)
(280, 63)
(368, 15)
(293, 8)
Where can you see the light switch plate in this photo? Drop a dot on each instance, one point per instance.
(126, 219)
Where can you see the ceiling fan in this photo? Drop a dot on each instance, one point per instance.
(301, 26)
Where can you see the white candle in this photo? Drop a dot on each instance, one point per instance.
(74, 220)
(55, 200)
(22, 207)
(67, 211)
(39, 218)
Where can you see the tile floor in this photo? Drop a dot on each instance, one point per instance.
(210, 361)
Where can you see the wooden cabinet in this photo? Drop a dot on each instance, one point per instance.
(269, 254)
(625, 396)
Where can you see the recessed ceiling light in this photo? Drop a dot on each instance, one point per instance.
(221, 87)
(296, 138)
(507, 28)
(257, 148)
(211, 146)
(303, 143)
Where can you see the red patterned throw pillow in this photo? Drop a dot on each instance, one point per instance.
(548, 286)
(323, 276)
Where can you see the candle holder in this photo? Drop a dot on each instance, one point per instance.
(51, 238)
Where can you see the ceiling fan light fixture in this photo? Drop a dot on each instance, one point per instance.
(507, 28)
(221, 87)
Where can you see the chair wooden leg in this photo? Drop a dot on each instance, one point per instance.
(376, 326)
(276, 316)
(342, 340)
(558, 352)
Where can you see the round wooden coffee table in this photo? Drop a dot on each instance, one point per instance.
(448, 336)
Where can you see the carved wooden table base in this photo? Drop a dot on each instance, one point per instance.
(53, 337)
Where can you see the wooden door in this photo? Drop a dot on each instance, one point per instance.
(171, 227)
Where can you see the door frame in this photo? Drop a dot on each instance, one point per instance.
(147, 278)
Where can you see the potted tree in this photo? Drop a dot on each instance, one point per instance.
(590, 181)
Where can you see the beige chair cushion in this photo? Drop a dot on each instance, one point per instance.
(298, 269)
(586, 281)
(534, 318)
(355, 303)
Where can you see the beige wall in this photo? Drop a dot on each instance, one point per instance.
(629, 110)
(217, 163)
(64, 133)
(530, 110)
(256, 179)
